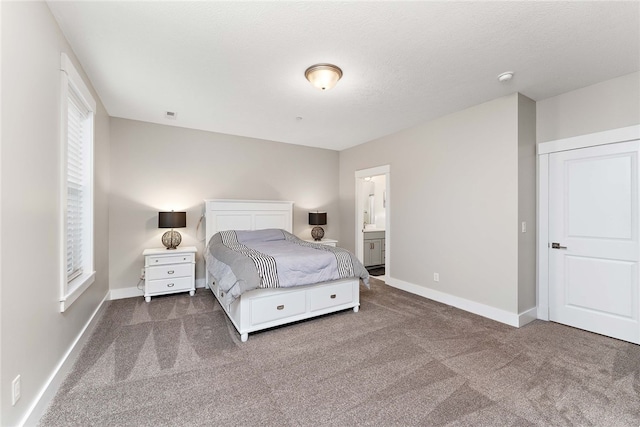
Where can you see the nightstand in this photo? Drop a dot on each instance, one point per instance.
(327, 242)
(169, 271)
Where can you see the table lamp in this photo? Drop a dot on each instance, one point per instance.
(171, 239)
(317, 218)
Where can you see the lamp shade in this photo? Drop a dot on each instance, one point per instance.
(172, 219)
(317, 218)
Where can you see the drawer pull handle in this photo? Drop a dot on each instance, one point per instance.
(170, 285)
(280, 307)
(170, 272)
(333, 296)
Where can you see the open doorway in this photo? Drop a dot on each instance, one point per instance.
(373, 224)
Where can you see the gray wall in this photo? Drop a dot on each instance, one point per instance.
(35, 335)
(454, 201)
(157, 168)
(526, 203)
(607, 105)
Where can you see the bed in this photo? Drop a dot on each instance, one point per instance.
(262, 308)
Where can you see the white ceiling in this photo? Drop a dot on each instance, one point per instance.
(238, 67)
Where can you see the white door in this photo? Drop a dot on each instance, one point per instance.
(593, 238)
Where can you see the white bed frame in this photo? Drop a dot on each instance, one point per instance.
(265, 308)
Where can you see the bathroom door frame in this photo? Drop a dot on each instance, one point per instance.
(360, 175)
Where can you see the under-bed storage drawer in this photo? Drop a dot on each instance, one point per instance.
(331, 296)
(277, 307)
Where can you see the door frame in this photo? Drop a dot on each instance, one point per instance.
(630, 133)
(360, 175)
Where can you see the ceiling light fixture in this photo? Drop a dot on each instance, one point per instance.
(505, 77)
(323, 76)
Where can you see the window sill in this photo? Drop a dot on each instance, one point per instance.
(75, 288)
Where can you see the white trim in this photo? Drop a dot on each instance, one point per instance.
(1, 287)
(359, 177)
(76, 81)
(49, 390)
(64, 92)
(629, 133)
(497, 314)
(527, 316)
(77, 286)
(359, 220)
(613, 136)
(377, 170)
(542, 288)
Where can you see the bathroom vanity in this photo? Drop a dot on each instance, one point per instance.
(374, 247)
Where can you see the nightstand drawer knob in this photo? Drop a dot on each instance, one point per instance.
(333, 296)
(170, 272)
(170, 285)
(280, 307)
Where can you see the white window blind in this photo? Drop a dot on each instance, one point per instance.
(77, 178)
(76, 226)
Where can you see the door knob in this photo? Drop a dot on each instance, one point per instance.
(557, 246)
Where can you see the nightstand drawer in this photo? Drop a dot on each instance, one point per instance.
(169, 271)
(168, 285)
(171, 259)
(330, 296)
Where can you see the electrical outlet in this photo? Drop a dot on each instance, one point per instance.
(436, 277)
(15, 390)
(524, 226)
(141, 273)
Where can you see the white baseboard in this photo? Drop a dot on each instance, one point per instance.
(483, 310)
(527, 316)
(42, 401)
(543, 312)
(133, 291)
(125, 293)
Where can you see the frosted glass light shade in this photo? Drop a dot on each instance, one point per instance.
(323, 76)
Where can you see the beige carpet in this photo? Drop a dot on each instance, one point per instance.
(402, 360)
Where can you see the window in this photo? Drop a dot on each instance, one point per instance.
(77, 114)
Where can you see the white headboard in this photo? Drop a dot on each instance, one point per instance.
(223, 215)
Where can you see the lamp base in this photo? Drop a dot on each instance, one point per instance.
(171, 239)
(317, 233)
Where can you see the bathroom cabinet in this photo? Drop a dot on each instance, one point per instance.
(374, 248)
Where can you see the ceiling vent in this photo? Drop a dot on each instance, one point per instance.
(170, 115)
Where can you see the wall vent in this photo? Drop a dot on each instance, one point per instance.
(170, 115)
